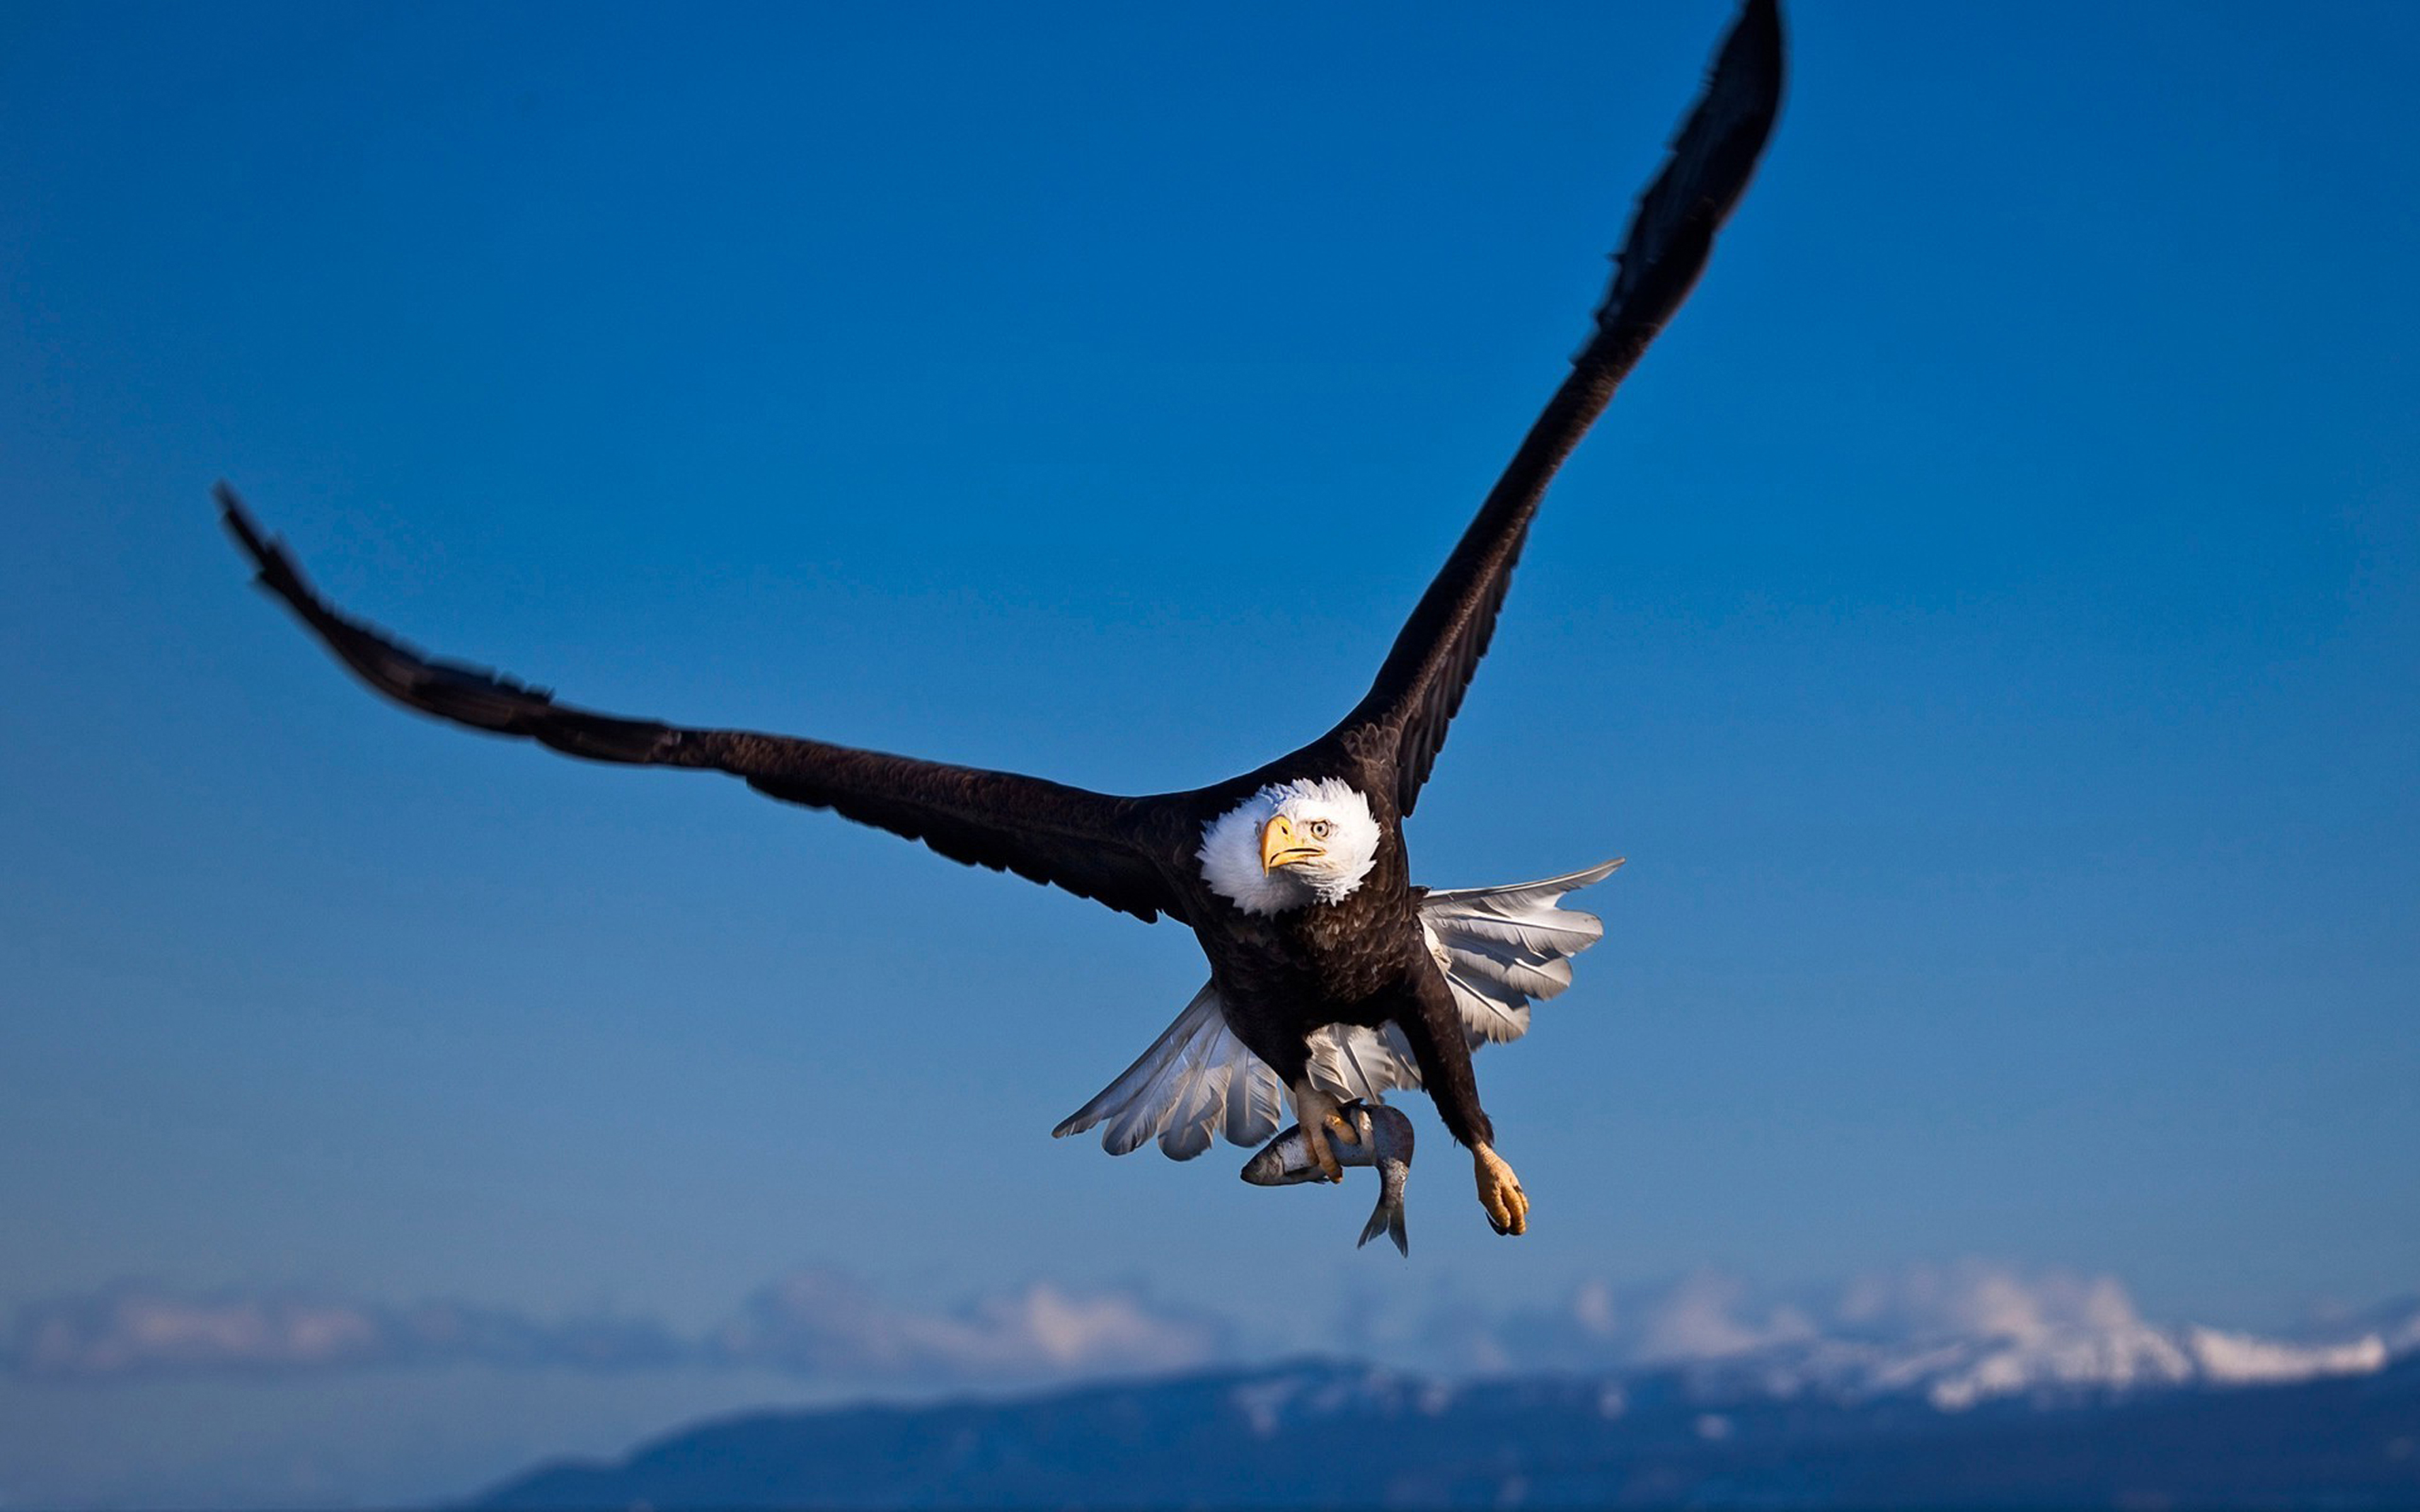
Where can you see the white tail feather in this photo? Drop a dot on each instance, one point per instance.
(1350, 1061)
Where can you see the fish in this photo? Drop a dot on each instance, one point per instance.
(1385, 1142)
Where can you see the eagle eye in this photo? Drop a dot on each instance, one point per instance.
(1319, 829)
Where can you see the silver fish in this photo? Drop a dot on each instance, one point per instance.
(1385, 1142)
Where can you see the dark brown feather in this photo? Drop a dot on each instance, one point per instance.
(1421, 685)
(1096, 846)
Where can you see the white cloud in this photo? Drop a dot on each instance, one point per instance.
(1709, 1316)
(812, 1324)
(1974, 1298)
(129, 1331)
(132, 1330)
(1957, 1333)
(821, 1323)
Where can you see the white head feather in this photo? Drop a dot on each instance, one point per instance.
(1231, 847)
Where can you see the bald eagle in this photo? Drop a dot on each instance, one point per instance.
(1331, 975)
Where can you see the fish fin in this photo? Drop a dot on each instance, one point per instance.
(1387, 1219)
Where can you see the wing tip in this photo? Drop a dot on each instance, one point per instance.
(274, 568)
(1707, 168)
(1755, 52)
(239, 522)
(1598, 873)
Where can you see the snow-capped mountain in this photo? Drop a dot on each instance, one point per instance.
(2082, 1407)
(2054, 1364)
(1956, 1336)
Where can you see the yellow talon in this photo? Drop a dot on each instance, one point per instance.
(1499, 1193)
(1316, 1137)
(1315, 1111)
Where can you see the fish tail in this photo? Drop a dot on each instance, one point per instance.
(1385, 1218)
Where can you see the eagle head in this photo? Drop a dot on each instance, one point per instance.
(1290, 845)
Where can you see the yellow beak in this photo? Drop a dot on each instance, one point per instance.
(1280, 846)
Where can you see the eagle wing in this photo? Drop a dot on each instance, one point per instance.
(1089, 843)
(1421, 683)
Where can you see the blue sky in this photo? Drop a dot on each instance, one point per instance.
(1987, 622)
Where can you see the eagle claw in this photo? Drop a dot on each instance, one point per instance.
(1318, 1114)
(1499, 1193)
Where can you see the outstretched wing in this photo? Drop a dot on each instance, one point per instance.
(1421, 683)
(1091, 844)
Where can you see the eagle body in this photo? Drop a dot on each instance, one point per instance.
(1331, 975)
(1360, 961)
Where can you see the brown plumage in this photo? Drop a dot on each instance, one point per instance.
(1358, 960)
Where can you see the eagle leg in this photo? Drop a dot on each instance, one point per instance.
(1499, 1192)
(1316, 1112)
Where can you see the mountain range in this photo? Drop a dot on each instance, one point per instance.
(2116, 1412)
